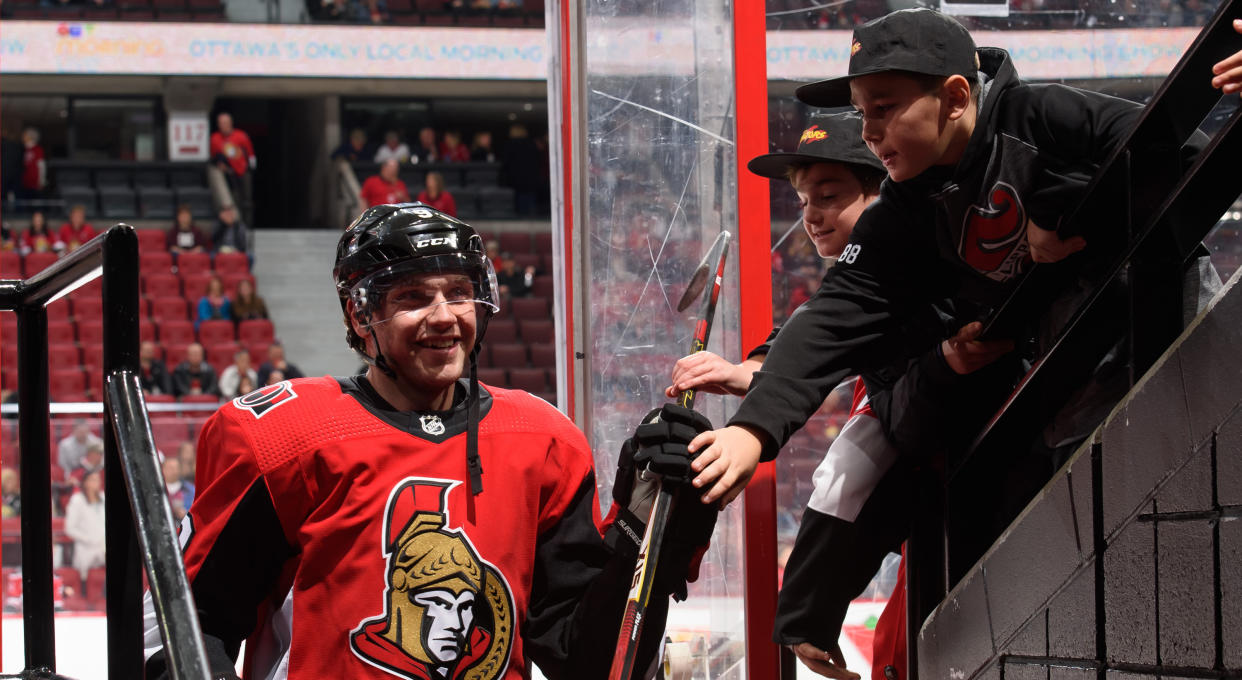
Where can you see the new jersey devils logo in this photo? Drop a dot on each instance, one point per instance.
(264, 399)
(447, 613)
(993, 236)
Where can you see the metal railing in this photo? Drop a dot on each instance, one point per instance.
(130, 464)
(1160, 213)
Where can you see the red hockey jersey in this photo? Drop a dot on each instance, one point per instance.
(339, 538)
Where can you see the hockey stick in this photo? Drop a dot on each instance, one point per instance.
(649, 550)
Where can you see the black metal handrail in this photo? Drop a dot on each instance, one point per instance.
(129, 464)
(1166, 213)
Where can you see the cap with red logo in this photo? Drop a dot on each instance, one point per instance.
(829, 138)
(916, 40)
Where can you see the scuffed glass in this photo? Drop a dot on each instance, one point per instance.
(660, 166)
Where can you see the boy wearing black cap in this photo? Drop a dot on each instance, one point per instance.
(836, 178)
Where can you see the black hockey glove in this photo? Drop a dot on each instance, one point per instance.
(655, 455)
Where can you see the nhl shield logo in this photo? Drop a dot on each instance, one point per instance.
(432, 425)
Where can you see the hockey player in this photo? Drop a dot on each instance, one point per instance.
(835, 553)
(411, 522)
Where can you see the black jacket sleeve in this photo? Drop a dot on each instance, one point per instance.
(848, 326)
(578, 597)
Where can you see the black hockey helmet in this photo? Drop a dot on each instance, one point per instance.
(388, 243)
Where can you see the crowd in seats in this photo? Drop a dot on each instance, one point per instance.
(1023, 14)
(467, 181)
(115, 10)
(519, 349)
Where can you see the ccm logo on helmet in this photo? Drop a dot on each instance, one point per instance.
(450, 241)
(264, 399)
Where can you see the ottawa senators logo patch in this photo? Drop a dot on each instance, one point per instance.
(447, 613)
(994, 235)
(264, 399)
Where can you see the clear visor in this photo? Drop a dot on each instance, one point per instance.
(458, 282)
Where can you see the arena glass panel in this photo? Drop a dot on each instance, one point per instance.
(658, 163)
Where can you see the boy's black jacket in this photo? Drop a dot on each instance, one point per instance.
(955, 232)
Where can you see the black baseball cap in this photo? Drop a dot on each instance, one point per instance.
(828, 138)
(917, 40)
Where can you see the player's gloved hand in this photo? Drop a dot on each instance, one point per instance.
(656, 455)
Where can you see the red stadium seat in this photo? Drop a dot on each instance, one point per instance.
(94, 381)
(258, 351)
(500, 331)
(230, 282)
(193, 263)
(543, 355)
(497, 377)
(216, 332)
(87, 308)
(158, 284)
(530, 308)
(232, 263)
(256, 332)
(508, 355)
(92, 357)
(60, 332)
(536, 330)
(90, 332)
(37, 262)
(543, 242)
(168, 308)
(67, 384)
(221, 355)
(176, 332)
(544, 286)
(154, 240)
(169, 432)
(62, 355)
(200, 399)
(146, 330)
(524, 260)
(174, 353)
(95, 588)
(515, 242)
(10, 265)
(529, 379)
(155, 262)
(194, 286)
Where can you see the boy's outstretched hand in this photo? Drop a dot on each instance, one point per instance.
(1227, 73)
(711, 373)
(728, 457)
(1047, 246)
(966, 353)
(830, 664)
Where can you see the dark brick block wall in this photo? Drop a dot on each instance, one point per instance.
(1164, 598)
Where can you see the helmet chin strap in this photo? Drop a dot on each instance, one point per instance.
(379, 361)
(473, 463)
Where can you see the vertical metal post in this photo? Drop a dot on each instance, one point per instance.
(124, 591)
(36, 483)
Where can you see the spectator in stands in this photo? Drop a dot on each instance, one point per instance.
(276, 363)
(194, 376)
(180, 492)
(386, 187)
(34, 166)
(38, 238)
(355, 148)
(514, 282)
(214, 305)
(8, 238)
(481, 148)
(393, 149)
(10, 493)
(520, 165)
(185, 237)
(11, 153)
(274, 377)
(493, 254)
(189, 460)
(436, 196)
(233, 153)
(247, 304)
(229, 236)
(92, 461)
(452, 149)
(230, 377)
(425, 151)
(77, 230)
(153, 374)
(72, 449)
(84, 523)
